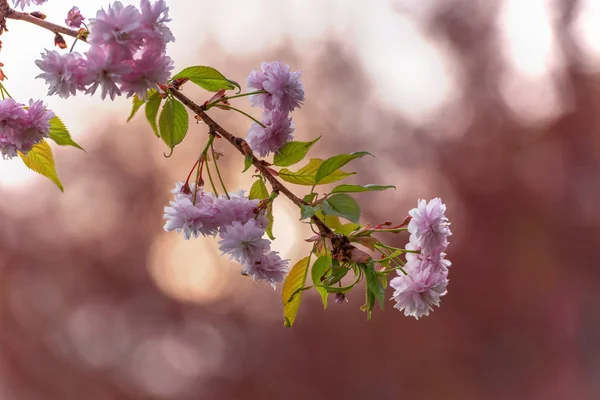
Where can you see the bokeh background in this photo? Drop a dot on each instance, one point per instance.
(491, 105)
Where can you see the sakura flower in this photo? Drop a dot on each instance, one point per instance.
(284, 90)
(23, 3)
(278, 131)
(429, 227)
(244, 242)
(74, 18)
(104, 68)
(153, 19)
(267, 267)
(120, 27)
(7, 147)
(36, 126)
(192, 219)
(238, 207)
(150, 69)
(418, 292)
(63, 73)
(12, 116)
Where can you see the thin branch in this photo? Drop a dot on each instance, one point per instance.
(243, 148)
(14, 14)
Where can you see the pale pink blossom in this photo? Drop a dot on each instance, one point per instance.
(429, 227)
(192, 219)
(120, 27)
(244, 242)
(22, 129)
(277, 132)
(267, 267)
(150, 69)
(238, 207)
(284, 90)
(63, 73)
(153, 19)
(418, 292)
(23, 3)
(74, 18)
(104, 68)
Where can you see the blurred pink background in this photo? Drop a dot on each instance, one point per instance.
(491, 105)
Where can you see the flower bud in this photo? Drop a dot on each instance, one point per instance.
(359, 256)
(339, 298)
(59, 41)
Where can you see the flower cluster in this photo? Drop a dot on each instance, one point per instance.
(283, 92)
(127, 53)
(236, 219)
(20, 128)
(23, 3)
(427, 269)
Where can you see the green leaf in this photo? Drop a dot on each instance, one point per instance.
(294, 282)
(40, 160)
(318, 271)
(342, 205)
(309, 197)
(137, 103)
(308, 211)
(359, 188)
(306, 174)
(151, 109)
(258, 190)
(207, 78)
(330, 220)
(375, 290)
(173, 122)
(269, 230)
(247, 162)
(334, 163)
(59, 133)
(347, 229)
(292, 152)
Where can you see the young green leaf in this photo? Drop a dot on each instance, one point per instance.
(359, 188)
(40, 160)
(320, 269)
(247, 162)
(292, 152)
(151, 110)
(269, 230)
(258, 190)
(342, 205)
(137, 103)
(293, 283)
(306, 174)
(330, 220)
(206, 77)
(334, 163)
(59, 133)
(309, 197)
(173, 122)
(373, 284)
(347, 229)
(308, 211)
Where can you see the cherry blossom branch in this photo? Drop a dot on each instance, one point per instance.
(243, 148)
(23, 16)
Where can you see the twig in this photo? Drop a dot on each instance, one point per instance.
(14, 14)
(243, 148)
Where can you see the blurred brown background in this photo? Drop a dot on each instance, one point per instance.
(97, 302)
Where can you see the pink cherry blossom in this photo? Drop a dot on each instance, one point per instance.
(419, 292)
(119, 27)
(238, 207)
(104, 68)
(23, 3)
(267, 267)
(22, 129)
(74, 18)
(192, 219)
(150, 69)
(429, 227)
(153, 19)
(278, 131)
(63, 72)
(284, 90)
(243, 242)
